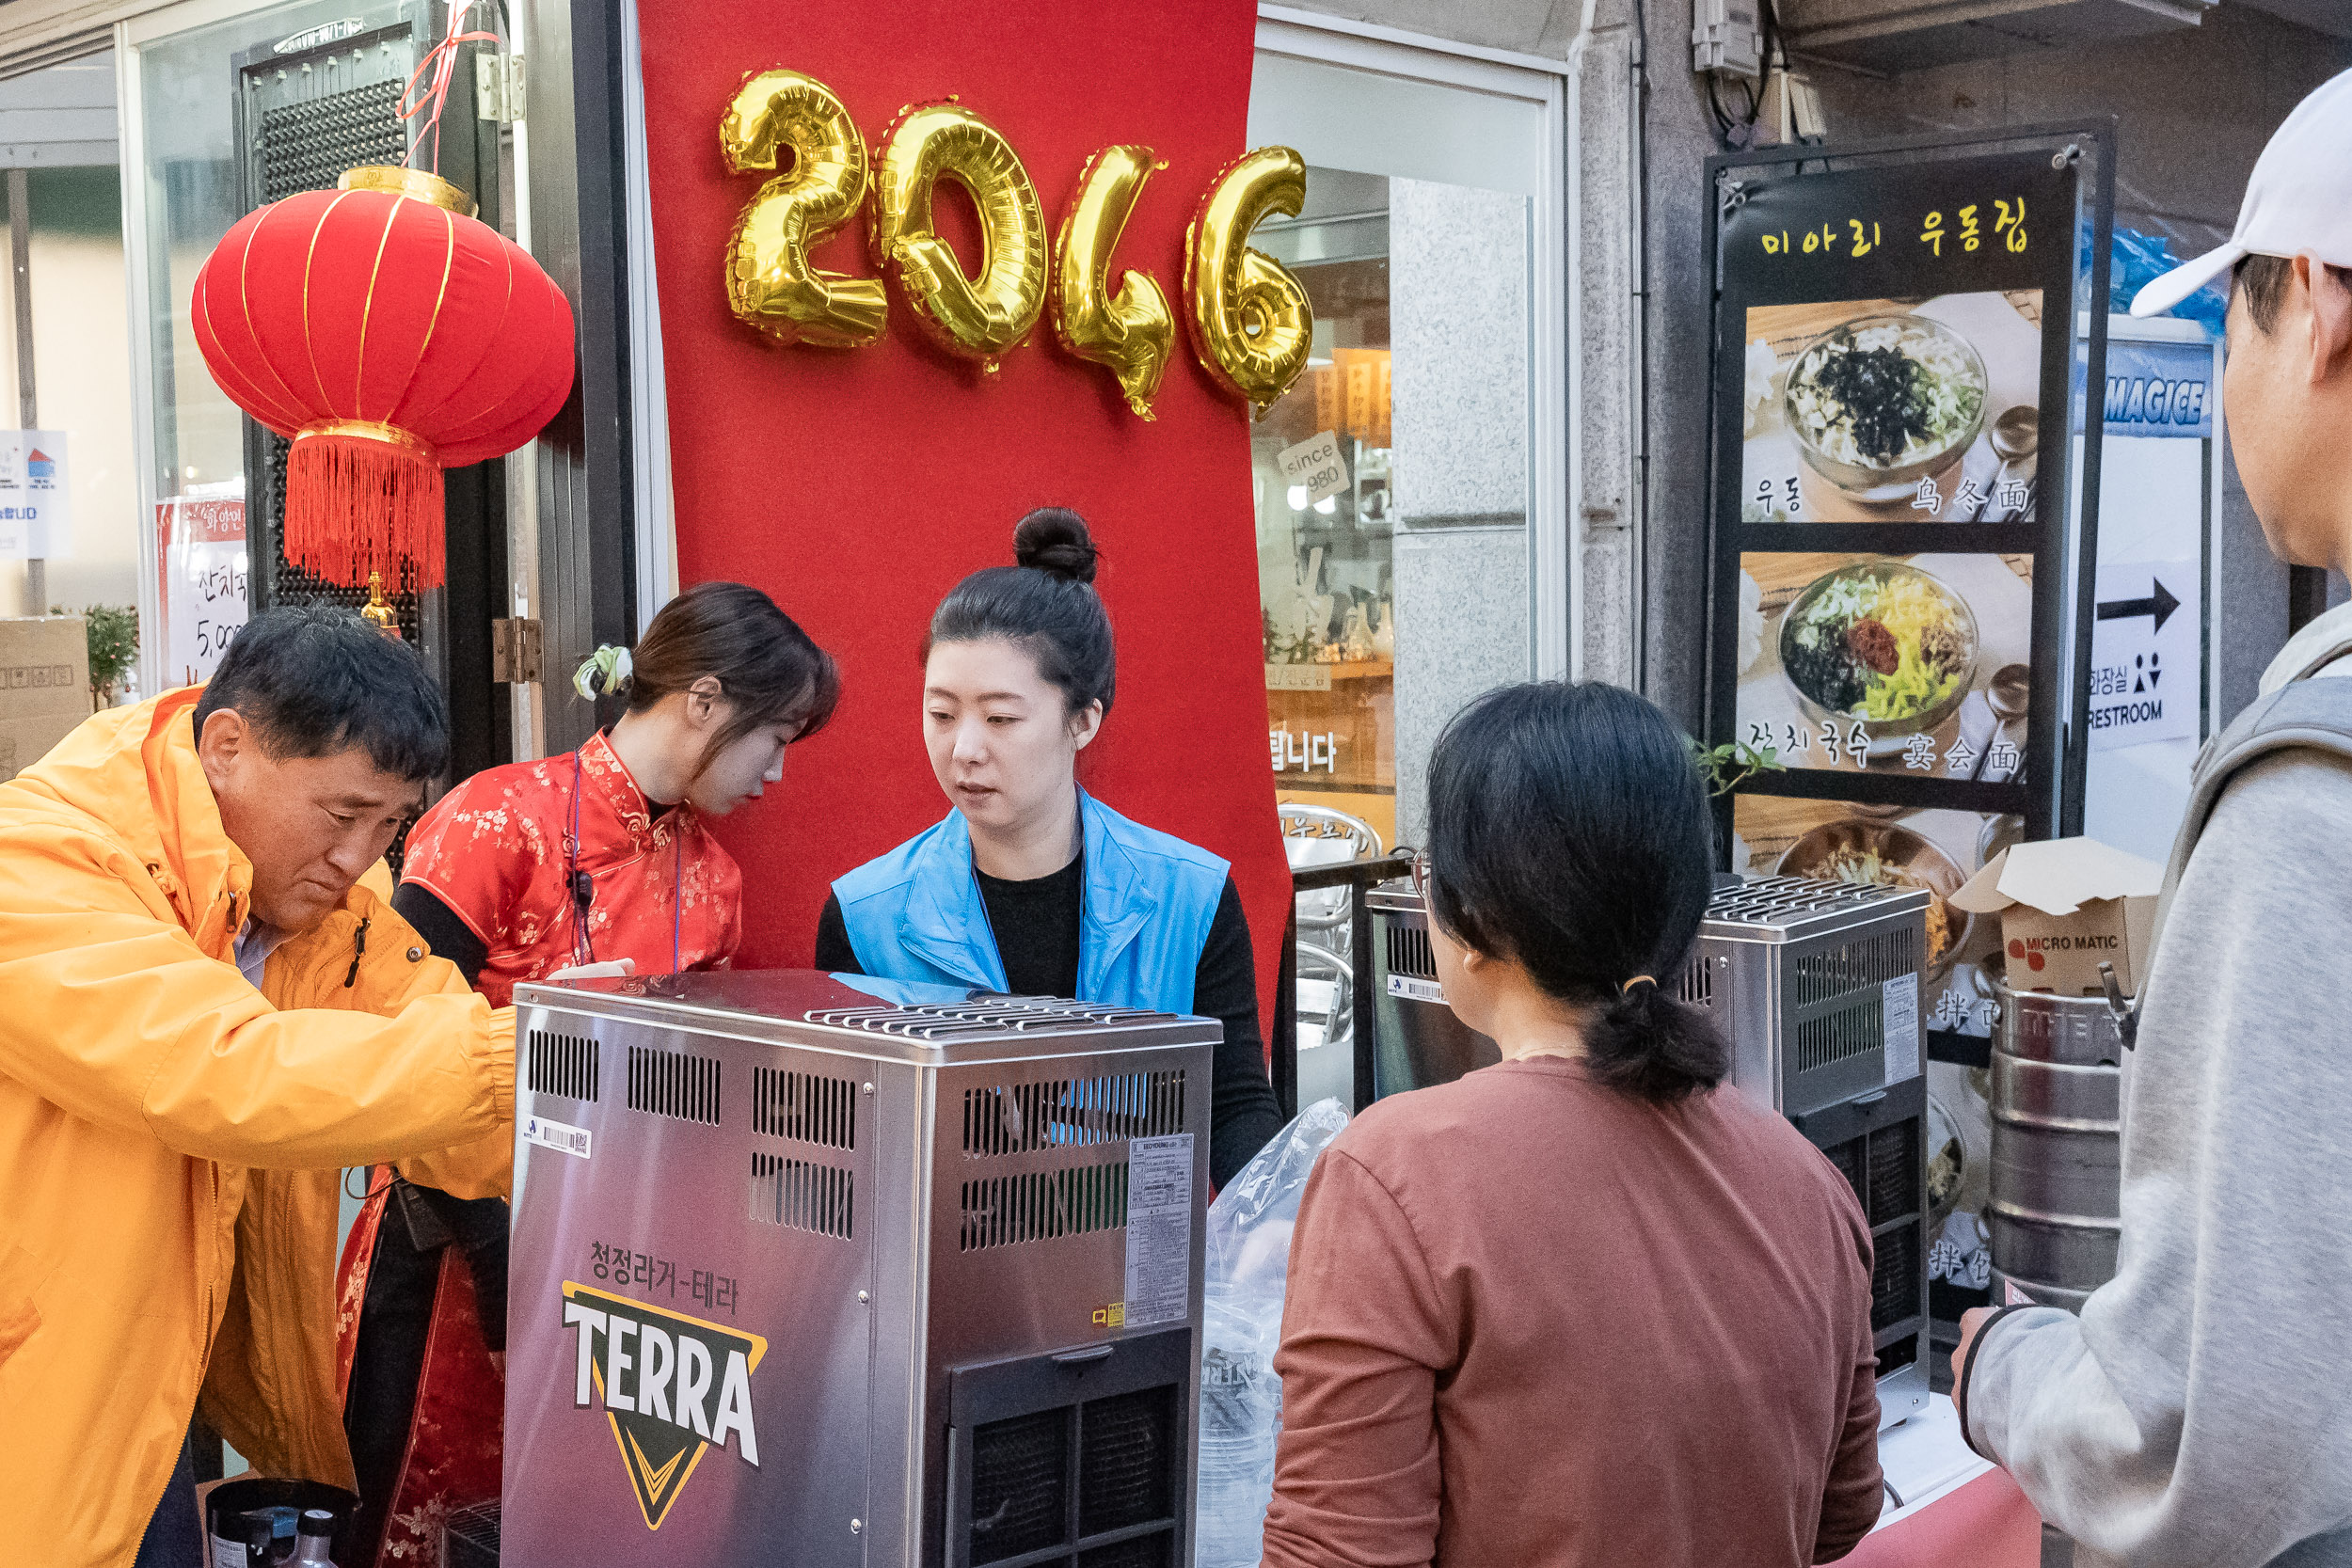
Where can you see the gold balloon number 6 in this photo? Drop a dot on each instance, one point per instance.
(783, 114)
(1250, 320)
(1251, 323)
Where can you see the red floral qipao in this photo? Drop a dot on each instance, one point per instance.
(493, 852)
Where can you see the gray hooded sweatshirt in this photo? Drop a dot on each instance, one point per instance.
(2199, 1411)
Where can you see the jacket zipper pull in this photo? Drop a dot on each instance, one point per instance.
(359, 946)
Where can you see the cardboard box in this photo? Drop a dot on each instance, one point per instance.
(26, 741)
(2066, 906)
(45, 668)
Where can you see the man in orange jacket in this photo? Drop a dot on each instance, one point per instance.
(205, 1013)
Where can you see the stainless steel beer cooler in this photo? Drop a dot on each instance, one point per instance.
(808, 1275)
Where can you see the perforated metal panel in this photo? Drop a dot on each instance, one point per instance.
(307, 116)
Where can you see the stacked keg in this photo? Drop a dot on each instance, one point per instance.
(2055, 1101)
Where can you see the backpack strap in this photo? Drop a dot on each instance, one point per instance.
(2303, 713)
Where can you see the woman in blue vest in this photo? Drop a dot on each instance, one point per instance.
(1031, 886)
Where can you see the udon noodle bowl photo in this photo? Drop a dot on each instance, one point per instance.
(1884, 400)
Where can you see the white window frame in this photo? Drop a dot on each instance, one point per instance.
(1555, 588)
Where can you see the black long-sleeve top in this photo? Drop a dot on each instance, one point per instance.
(1036, 925)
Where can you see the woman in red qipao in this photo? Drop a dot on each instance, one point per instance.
(598, 857)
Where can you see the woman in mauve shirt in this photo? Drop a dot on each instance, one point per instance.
(1584, 1306)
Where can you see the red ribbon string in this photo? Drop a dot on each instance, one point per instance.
(441, 60)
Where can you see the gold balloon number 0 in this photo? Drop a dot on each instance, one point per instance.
(1251, 322)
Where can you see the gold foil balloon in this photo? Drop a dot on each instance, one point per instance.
(770, 282)
(976, 317)
(1132, 332)
(1251, 323)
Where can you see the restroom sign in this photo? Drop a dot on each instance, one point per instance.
(2145, 672)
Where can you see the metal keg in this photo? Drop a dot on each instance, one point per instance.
(2055, 1101)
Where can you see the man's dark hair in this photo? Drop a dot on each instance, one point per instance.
(313, 680)
(2263, 279)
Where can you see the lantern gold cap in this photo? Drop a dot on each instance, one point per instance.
(415, 183)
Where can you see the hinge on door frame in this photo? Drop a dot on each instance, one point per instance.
(498, 86)
(516, 650)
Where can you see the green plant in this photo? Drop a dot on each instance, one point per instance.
(112, 631)
(1727, 766)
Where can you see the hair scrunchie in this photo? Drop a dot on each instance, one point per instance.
(603, 672)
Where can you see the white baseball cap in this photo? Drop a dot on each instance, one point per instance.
(2298, 203)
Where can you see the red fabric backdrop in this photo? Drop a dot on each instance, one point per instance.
(858, 485)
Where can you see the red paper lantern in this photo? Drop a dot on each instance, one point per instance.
(389, 335)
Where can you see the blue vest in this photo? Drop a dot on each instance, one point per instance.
(1149, 899)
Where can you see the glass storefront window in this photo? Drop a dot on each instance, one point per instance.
(182, 184)
(1396, 584)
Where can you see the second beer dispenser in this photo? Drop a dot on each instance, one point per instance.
(812, 1275)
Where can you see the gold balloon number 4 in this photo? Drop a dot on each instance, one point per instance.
(1252, 325)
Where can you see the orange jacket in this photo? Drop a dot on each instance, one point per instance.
(171, 1139)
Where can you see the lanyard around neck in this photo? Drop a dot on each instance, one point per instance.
(580, 887)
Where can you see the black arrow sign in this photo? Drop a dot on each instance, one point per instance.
(2159, 604)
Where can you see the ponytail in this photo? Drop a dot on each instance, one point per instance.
(1651, 1046)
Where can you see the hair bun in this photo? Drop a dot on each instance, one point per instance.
(1054, 540)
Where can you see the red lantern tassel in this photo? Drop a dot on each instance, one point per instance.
(363, 498)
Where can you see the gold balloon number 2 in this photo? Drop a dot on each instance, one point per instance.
(1252, 325)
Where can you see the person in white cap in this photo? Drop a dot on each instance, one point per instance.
(2194, 1412)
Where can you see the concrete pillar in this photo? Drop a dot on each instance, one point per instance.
(1458, 315)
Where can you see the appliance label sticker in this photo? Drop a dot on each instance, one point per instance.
(557, 1135)
(1159, 1230)
(1414, 989)
(1898, 1026)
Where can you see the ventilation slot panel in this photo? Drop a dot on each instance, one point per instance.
(1895, 1278)
(563, 1064)
(799, 1195)
(1832, 975)
(1409, 952)
(673, 1084)
(1072, 1112)
(1040, 1205)
(1850, 1031)
(1697, 985)
(805, 1107)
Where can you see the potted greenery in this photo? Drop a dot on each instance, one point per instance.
(112, 631)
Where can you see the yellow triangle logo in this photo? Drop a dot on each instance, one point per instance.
(671, 1411)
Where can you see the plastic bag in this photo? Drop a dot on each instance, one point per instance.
(2136, 259)
(1248, 1265)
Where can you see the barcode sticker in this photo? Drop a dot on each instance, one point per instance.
(558, 1135)
(1414, 989)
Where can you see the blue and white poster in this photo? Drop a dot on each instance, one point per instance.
(36, 517)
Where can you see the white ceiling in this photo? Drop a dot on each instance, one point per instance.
(2326, 16)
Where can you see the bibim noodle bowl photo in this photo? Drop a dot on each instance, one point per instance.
(1886, 643)
(1915, 665)
(1893, 411)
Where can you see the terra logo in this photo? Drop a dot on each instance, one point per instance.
(672, 1386)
